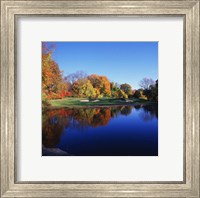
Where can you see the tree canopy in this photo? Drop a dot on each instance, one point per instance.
(79, 84)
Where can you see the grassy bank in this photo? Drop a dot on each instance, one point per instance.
(83, 102)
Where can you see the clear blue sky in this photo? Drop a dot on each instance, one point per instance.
(121, 62)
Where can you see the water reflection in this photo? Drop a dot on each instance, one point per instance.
(60, 124)
(149, 113)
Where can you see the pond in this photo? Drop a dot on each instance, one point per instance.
(101, 131)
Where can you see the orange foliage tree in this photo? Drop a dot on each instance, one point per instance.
(53, 86)
(101, 84)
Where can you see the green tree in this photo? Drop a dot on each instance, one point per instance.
(114, 88)
(154, 92)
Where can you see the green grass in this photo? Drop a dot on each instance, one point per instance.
(76, 102)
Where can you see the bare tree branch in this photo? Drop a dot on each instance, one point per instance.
(145, 83)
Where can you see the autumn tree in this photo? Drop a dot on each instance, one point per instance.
(117, 91)
(126, 88)
(101, 84)
(95, 80)
(114, 89)
(121, 94)
(53, 86)
(140, 94)
(106, 86)
(51, 74)
(83, 88)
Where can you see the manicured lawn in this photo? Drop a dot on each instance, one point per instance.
(82, 102)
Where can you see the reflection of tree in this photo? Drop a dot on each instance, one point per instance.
(121, 110)
(126, 110)
(149, 112)
(115, 111)
(55, 121)
(138, 106)
(53, 124)
(92, 116)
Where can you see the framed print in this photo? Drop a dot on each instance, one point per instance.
(80, 104)
(100, 98)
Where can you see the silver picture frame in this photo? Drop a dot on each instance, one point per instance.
(11, 10)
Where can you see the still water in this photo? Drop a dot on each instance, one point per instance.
(101, 131)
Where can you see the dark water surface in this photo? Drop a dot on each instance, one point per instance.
(101, 131)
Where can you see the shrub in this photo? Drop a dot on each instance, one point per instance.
(45, 102)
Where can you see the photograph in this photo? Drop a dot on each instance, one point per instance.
(99, 98)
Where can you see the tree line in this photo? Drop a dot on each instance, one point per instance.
(79, 84)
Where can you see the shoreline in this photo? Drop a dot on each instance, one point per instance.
(101, 105)
(71, 103)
